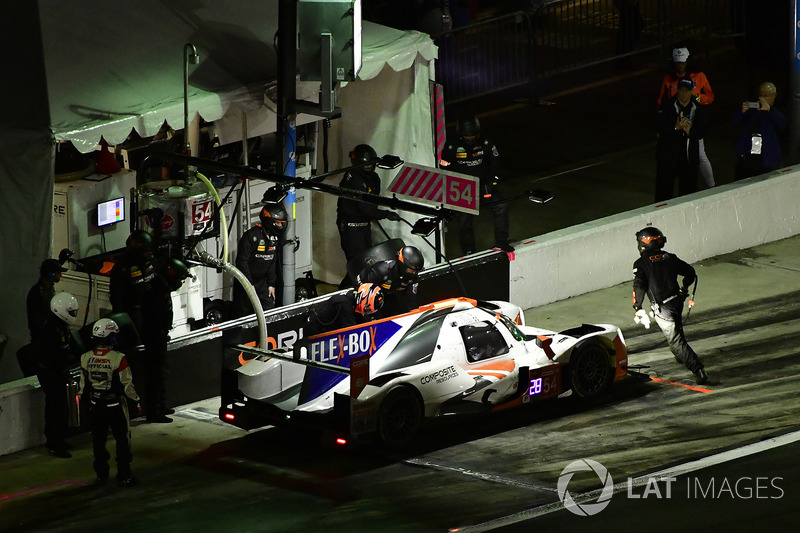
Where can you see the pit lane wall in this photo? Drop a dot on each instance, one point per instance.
(599, 254)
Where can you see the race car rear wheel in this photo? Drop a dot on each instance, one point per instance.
(399, 417)
(590, 372)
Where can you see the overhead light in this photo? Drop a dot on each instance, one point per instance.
(274, 194)
(539, 196)
(389, 162)
(425, 226)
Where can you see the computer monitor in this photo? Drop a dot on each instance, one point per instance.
(110, 212)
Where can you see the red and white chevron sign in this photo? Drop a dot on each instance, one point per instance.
(437, 187)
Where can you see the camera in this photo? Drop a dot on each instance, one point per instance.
(754, 105)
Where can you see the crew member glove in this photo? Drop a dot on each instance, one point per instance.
(391, 215)
(641, 317)
(134, 408)
(684, 293)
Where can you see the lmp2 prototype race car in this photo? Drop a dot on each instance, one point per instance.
(388, 376)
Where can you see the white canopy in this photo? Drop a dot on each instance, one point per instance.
(116, 66)
(104, 68)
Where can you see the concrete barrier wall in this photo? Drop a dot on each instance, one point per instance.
(601, 253)
(21, 415)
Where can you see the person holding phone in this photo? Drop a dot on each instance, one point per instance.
(758, 145)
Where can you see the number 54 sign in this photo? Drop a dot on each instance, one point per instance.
(437, 187)
(199, 214)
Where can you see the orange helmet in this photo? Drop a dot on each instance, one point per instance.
(369, 299)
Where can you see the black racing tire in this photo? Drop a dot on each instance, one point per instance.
(304, 289)
(213, 312)
(590, 371)
(399, 417)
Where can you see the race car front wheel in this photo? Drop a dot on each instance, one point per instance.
(590, 371)
(399, 417)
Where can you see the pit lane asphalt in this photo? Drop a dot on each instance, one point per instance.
(487, 473)
(200, 474)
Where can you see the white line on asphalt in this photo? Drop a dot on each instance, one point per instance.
(569, 171)
(754, 262)
(691, 466)
(481, 475)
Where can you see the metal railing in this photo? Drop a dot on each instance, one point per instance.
(562, 35)
(488, 56)
(578, 33)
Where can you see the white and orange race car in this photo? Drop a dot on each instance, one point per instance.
(450, 357)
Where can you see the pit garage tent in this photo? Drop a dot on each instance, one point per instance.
(85, 69)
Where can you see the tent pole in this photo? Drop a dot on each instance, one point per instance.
(287, 134)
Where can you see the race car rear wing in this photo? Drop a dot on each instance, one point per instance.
(241, 389)
(358, 368)
(298, 353)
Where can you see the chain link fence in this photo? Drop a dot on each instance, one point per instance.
(553, 37)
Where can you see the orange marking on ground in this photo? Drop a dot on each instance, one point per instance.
(4, 497)
(698, 389)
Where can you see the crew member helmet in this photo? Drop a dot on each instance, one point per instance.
(650, 238)
(49, 268)
(139, 239)
(175, 272)
(273, 218)
(364, 153)
(369, 299)
(65, 306)
(469, 127)
(106, 329)
(412, 259)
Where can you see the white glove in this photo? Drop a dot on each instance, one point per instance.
(641, 317)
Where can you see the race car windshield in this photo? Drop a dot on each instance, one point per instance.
(482, 341)
(417, 345)
(515, 332)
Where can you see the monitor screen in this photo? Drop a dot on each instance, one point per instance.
(110, 211)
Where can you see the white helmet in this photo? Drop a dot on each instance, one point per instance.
(105, 328)
(65, 306)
